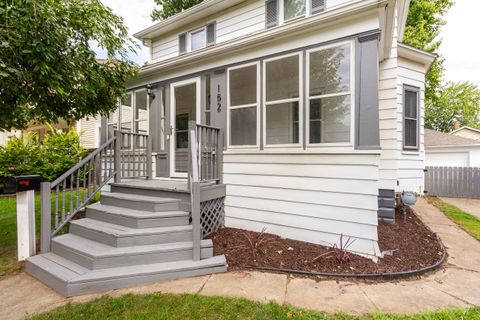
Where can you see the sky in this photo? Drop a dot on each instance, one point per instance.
(460, 47)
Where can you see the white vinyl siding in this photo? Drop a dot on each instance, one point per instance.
(399, 169)
(239, 21)
(309, 197)
(89, 130)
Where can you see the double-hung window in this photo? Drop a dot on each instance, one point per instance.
(243, 101)
(410, 117)
(282, 100)
(329, 95)
(278, 12)
(197, 39)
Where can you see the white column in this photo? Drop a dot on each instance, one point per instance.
(26, 224)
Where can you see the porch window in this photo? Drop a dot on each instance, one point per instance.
(243, 105)
(282, 100)
(329, 111)
(410, 117)
(140, 117)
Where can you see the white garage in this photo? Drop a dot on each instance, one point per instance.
(447, 150)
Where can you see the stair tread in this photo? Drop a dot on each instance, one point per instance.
(65, 263)
(138, 198)
(67, 275)
(145, 269)
(50, 263)
(138, 214)
(122, 231)
(100, 250)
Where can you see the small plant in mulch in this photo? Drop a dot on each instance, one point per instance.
(255, 240)
(339, 252)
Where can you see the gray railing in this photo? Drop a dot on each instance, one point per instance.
(205, 165)
(209, 152)
(133, 155)
(72, 191)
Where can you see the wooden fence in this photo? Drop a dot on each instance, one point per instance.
(457, 182)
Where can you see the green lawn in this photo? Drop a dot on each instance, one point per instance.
(188, 306)
(466, 221)
(8, 232)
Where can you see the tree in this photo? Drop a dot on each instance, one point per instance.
(455, 102)
(422, 30)
(48, 66)
(168, 8)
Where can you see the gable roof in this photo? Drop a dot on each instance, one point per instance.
(435, 138)
(466, 128)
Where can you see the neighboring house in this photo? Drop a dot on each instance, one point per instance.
(87, 128)
(467, 132)
(322, 110)
(321, 103)
(449, 150)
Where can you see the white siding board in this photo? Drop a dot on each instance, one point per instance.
(304, 170)
(360, 231)
(355, 215)
(350, 186)
(306, 196)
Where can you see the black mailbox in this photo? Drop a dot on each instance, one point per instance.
(22, 183)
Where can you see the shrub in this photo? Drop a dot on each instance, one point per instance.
(49, 158)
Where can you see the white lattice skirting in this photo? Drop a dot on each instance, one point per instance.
(212, 215)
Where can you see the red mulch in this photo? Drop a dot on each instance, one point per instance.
(413, 247)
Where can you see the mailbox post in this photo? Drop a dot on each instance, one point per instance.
(24, 187)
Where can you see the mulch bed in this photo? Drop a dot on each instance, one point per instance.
(412, 246)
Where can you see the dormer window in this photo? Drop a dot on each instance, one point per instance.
(278, 12)
(197, 39)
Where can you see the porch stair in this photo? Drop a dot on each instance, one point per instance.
(125, 240)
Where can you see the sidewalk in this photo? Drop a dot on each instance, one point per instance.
(456, 286)
(471, 206)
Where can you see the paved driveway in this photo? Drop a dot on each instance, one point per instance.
(471, 206)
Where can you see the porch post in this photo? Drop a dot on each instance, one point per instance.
(149, 157)
(118, 157)
(46, 217)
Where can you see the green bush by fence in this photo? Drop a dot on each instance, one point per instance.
(52, 156)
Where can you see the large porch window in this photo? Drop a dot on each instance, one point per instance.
(329, 112)
(328, 104)
(282, 87)
(243, 99)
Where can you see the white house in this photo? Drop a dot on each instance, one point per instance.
(450, 150)
(321, 107)
(321, 103)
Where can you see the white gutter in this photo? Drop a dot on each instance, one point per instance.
(314, 22)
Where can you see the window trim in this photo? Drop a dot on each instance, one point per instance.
(276, 102)
(257, 105)
(417, 90)
(351, 93)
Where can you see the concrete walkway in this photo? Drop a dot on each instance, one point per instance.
(456, 286)
(471, 206)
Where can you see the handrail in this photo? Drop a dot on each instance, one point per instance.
(73, 190)
(81, 163)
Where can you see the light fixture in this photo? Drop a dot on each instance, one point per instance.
(150, 92)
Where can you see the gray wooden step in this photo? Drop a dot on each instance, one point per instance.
(136, 218)
(70, 281)
(139, 202)
(94, 255)
(122, 236)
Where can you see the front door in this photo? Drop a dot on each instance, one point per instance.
(184, 107)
